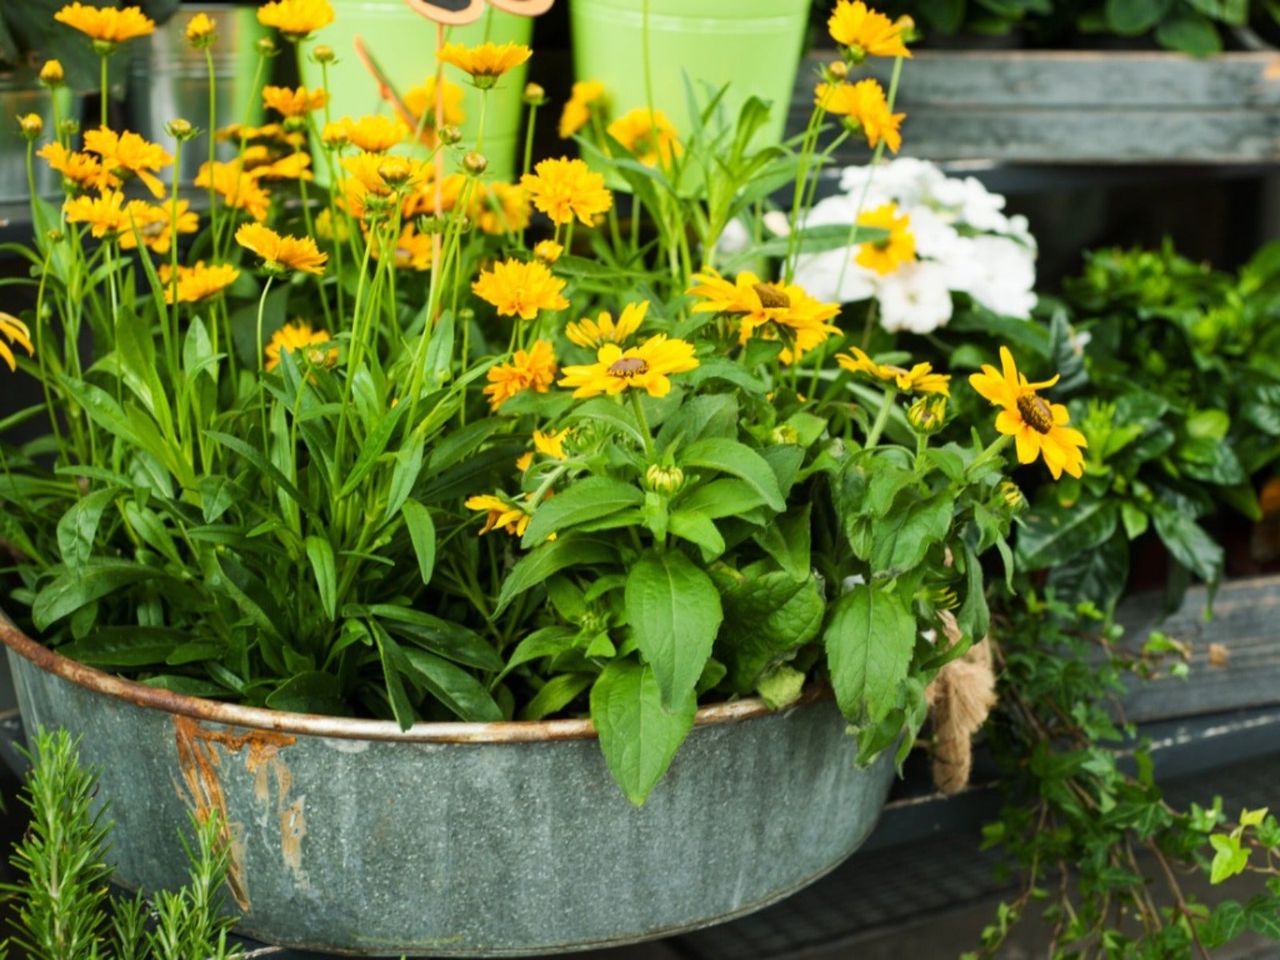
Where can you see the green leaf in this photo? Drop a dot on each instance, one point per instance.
(674, 612)
(1229, 857)
(1188, 542)
(78, 527)
(94, 579)
(404, 475)
(900, 541)
(374, 446)
(310, 692)
(766, 619)
(422, 533)
(1054, 534)
(1132, 17)
(787, 541)
(556, 694)
(739, 460)
(124, 646)
(550, 558)
(1098, 575)
(584, 500)
(781, 686)
(451, 685)
(869, 642)
(546, 642)
(698, 529)
(611, 412)
(393, 664)
(320, 554)
(1189, 33)
(451, 640)
(638, 735)
(725, 497)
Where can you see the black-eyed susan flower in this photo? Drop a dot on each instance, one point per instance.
(199, 282)
(486, 62)
(129, 155)
(647, 367)
(865, 108)
(650, 136)
(1039, 428)
(595, 333)
(501, 513)
(108, 25)
(516, 288)
(899, 247)
(293, 102)
(564, 189)
(549, 443)
(769, 311)
(533, 369)
(919, 378)
(298, 335)
(866, 32)
(281, 253)
(17, 333)
(296, 18)
(577, 109)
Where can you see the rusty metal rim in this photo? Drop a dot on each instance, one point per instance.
(345, 728)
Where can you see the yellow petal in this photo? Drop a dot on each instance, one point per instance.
(1028, 444)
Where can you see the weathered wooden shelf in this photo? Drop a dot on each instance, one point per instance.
(1027, 106)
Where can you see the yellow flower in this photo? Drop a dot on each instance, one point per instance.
(866, 109)
(577, 109)
(1038, 427)
(548, 251)
(550, 443)
(51, 73)
(293, 166)
(281, 253)
(486, 62)
(82, 169)
(564, 188)
(31, 125)
(769, 311)
(866, 32)
(239, 189)
(646, 367)
(650, 141)
(375, 134)
(413, 250)
(127, 154)
(899, 247)
(17, 332)
(104, 213)
(199, 282)
(106, 24)
(593, 333)
(532, 369)
(919, 379)
(421, 101)
(502, 514)
(500, 208)
(296, 18)
(293, 103)
(200, 30)
(294, 336)
(518, 288)
(155, 224)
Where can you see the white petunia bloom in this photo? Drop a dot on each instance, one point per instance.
(915, 297)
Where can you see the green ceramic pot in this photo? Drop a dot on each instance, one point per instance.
(752, 45)
(404, 43)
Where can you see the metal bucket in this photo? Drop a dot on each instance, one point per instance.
(461, 839)
(168, 79)
(20, 94)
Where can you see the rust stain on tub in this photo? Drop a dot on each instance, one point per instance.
(199, 760)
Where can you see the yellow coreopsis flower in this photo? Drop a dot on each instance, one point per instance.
(564, 188)
(155, 223)
(593, 333)
(767, 310)
(110, 25)
(500, 208)
(51, 74)
(292, 166)
(296, 18)
(577, 109)
(866, 32)
(199, 282)
(647, 367)
(1039, 428)
(548, 251)
(297, 335)
(650, 137)
(289, 102)
(521, 289)
(413, 250)
(533, 369)
(83, 170)
(16, 332)
(281, 253)
(128, 154)
(104, 213)
(865, 108)
(238, 188)
(373, 134)
(920, 378)
(421, 101)
(885, 256)
(487, 62)
(501, 513)
(200, 30)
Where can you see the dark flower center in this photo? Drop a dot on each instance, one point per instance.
(771, 297)
(1036, 412)
(628, 367)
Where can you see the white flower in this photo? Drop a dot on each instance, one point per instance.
(735, 238)
(833, 277)
(997, 272)
(971, 203)
(935, 238)
(915, 297)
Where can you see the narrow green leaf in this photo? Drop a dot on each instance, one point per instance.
(550, 558)
(422, 533)
(320, 553)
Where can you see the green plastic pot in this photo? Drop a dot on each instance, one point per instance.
(752, 45)
(403, 43)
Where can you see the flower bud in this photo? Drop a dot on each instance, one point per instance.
(51, 73)
(430, 225)
(200, 31)
(666, 480)
(334, 135)
(69, 128)
(475, 163)
(534, 95)
(548, 251)
(266, 47)
(323, 53)
(1012, 496)
(784, 435)
(449, 135)
(32, 125)
(928, 414)
(180, 129)
(55, 236)
(837, 70)
(395, 171)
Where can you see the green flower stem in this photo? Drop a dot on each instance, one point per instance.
(807, 145)
(993, 450)
(882, 418)
(262, 359)
(102, 59)
(41, 359)
(643, 421)
(171, 318)
(213, 138)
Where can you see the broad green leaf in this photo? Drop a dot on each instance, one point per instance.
(584, 500)
(1190, 545)
(674, 612)
(546, 642)
(1229, 857)
(94, 579)
(766, 619)
(124, 646)
(1132, 17)
(1053, 534)
(900, 541)
(422, 533)
(550, 558)
(78, 527)
(869, 644)
(610, 412)
(781, 686)
(1189, 33)
(786, 539)
(320, 554)
(698, 529)
(736, 459)
(638, 735)
(726, 497)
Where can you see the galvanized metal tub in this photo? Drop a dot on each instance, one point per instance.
(459, 839)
